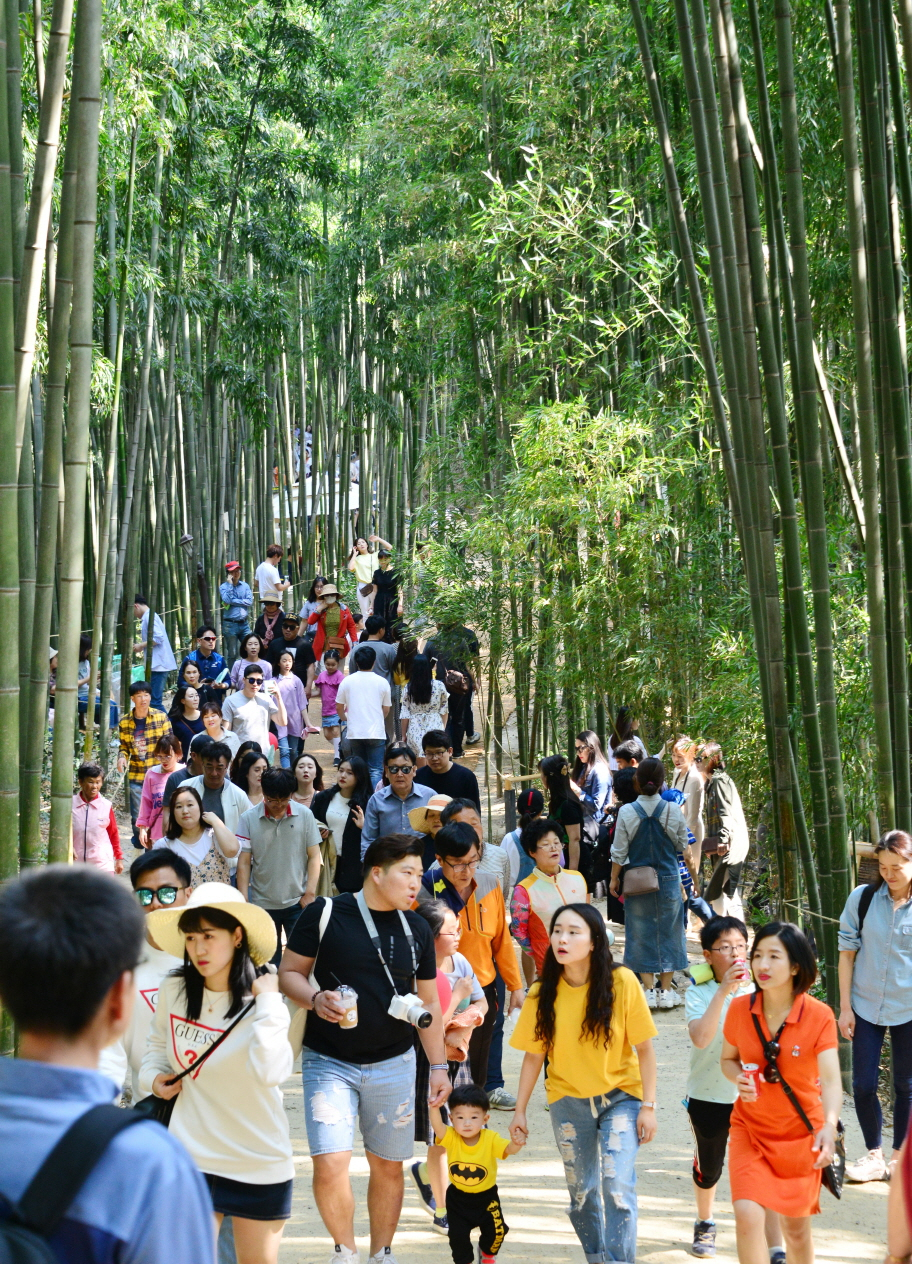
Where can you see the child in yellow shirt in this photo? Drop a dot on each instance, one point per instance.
(472, 1151)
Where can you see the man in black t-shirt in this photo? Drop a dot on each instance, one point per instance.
(441, 774)
(341, 949)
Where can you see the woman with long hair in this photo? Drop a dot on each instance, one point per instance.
(214, 724)
(424, 705)
(591, 775)
(311, 604)
(776, 1152)
(251, 650)
(309, 776)
(563, 804)
(291, 688)
(874, 997)
(185, 717)
(247, 773)
(150, 822)
(623, 730)
(649, 833)
(230, 1115)
(339, 811)
(203, 840)
(589, 1019)
(362, 562)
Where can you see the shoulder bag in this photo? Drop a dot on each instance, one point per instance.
(160, 1108)
(834, 1174)
(642, 879)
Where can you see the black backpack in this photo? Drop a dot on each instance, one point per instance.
(864, 903)
(31, 1222)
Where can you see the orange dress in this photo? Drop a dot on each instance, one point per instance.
(770, 1160)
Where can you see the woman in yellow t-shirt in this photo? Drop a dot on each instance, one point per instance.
(590, 1019)
(362, 562)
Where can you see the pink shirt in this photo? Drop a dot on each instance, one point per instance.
(151, 804)
(329, 687)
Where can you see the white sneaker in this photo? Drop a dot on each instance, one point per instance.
(676, 998)
(344, 1255)
(666, 999)
(870, 1168)
(652, 998)
(383, 1256)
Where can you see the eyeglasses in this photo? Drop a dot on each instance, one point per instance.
(166, 895)
(463, 866)
(727, 950)
(394, 769)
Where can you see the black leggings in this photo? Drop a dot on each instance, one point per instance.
(466, 1212)
(710, 1122)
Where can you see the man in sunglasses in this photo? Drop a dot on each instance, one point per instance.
(388, 810)
(211, 665)
(161, 879)
(249, 711)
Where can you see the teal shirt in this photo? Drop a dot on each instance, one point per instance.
(706, 1083)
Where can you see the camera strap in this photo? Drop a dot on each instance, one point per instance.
(375, 938)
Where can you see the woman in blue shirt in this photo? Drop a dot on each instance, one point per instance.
(591, 774)
(875, 992)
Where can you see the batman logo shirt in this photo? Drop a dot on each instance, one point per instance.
(473, 1168)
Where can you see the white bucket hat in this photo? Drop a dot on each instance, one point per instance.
(418, 816)
(260, 928)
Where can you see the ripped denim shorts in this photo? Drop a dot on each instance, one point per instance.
(380, 1095)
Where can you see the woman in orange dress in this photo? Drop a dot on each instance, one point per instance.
(774, 1162)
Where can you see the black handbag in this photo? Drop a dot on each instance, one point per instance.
(161, 1108)
(833, 1175)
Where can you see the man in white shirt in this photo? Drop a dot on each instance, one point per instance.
(363, 702)
(249, 711)
(270, 582)
(163, 660)
(161, 879)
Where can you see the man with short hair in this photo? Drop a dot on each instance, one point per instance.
(387, 810)
(477, 901)
(267, 577)
(163, 660)
(237, 600)
(218, 792)
(375, 627)
(628, 754)
(268, 625)
(279, 862)
(364, 701)
(442, 774)
(373, 942)
(210, 664)
(249, 711)
(291, 641)
(138, 732)
(70, 941)
(160, 879)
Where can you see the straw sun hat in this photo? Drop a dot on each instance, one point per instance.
(418, 816)
(260, 928)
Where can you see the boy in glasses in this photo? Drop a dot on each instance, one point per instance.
(96, 838)
(160, 879)
(710, 1096)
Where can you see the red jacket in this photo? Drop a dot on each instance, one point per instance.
(346, 628)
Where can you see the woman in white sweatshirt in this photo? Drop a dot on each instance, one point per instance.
(230, 1115)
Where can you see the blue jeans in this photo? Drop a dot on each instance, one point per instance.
(866, 1047)
(598, 1143)
(380, 1095)
(158, 688)
(495, 1054)
(290, 748)
(284, 919)
(135, 804)
(371, 750)
(232, 631)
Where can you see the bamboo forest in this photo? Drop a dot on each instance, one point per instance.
(602, 306)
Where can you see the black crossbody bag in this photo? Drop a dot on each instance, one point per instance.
(834, 1174)
(161, 1108)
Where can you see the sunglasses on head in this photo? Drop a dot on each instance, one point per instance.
(166, 895)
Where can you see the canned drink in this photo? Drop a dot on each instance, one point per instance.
(745, 969)
(752, 1070)
(349, 998)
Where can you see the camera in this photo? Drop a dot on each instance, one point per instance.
(408, 1009)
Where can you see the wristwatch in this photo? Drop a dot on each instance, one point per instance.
(651, 1105)
(439, 1066)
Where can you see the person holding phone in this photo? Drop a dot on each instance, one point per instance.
(249, 711)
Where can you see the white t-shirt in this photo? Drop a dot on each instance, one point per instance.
(193, 853)
(267, 576)
(249, 717)
(337, 819)
(365, 695)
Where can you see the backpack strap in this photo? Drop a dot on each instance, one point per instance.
(864, 904)
(66, 1169)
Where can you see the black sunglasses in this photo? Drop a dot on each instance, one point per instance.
(255, 680)
(399, 767)
(166, 895)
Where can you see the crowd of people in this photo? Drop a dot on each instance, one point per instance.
(371, 927)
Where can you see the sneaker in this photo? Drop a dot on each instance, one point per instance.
(441, 1224)
(704, 1243)
(778, 1256)
(501, 1099)
(652, 998)
(425, 1193)
(666, 999)
(870, 1168)
(344, 1255)
(336, 761)
(383, 1256)
(473, 738)
(676, 998)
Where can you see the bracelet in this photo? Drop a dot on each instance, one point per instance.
(898, 1259)
(313, 1000)
(439, 1066)
(650, 1105)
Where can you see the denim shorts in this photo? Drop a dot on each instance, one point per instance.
(381, 1095)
